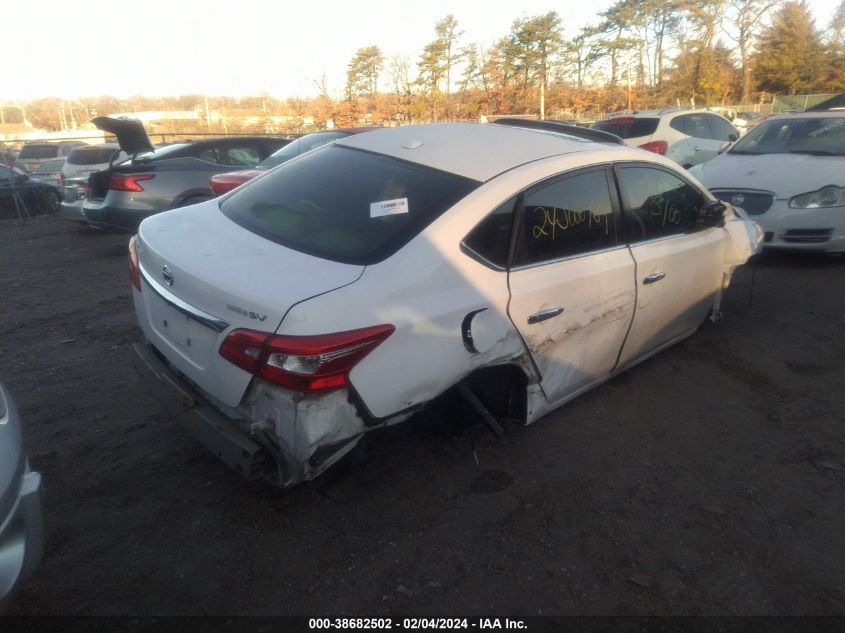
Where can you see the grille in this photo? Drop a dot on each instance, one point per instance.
(753, 202)
(807, 236)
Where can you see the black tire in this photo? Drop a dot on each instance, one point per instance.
(48, 202)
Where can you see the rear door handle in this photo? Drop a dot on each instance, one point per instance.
(542, 315)
(653, 277)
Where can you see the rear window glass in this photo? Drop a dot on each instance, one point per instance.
(345, 204)
(628, 126)
(39, 151)
(91, 155)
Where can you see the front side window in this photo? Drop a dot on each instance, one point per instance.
(657, 204)
(344, 204)
(722, 130)
(240, 156)
(569, 216)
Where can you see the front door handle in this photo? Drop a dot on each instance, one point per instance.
(653, 277)
(542, 315)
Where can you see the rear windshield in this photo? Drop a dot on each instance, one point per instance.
(628, 126)
(345, 204)
(91, 155)
(39, 151)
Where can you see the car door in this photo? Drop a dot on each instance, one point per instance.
(571, 280)
(678, 262)
(698, 146)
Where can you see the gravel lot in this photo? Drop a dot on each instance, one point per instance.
(708, 480)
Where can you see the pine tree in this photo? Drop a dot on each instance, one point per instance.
(790, 54)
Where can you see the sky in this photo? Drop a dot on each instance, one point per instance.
(241, 47)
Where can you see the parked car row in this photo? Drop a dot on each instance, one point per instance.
(152, 180)
(785, 172)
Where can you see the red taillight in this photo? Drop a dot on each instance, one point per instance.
(303, 363)
(658, 147)
(134, 270)
(128, 183)
(219, 187)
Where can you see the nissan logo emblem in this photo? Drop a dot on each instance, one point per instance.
(167, 275)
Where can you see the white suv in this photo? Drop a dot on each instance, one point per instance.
(355, 284)
(689, 137)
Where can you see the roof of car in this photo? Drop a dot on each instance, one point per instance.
(472, 150)
(821, 114)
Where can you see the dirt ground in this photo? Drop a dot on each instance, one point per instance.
(708, 480)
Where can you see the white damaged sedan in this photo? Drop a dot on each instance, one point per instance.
(349, 288)
(788, 174)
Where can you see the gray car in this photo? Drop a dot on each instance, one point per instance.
(21, 515)
(153, 180)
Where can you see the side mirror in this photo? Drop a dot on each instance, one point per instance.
(21, 178)
(712, 214)
(732, 137)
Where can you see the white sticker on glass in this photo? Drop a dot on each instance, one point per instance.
(388, 207)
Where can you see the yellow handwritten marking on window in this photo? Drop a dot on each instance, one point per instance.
(555, 220)
(663, 208)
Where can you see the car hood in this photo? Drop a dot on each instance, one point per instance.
(130, 133)
(785, 175)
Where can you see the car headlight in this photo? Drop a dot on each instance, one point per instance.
(825, 197)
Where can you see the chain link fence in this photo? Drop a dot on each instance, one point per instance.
(785, 103)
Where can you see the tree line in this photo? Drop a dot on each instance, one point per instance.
(637, 54)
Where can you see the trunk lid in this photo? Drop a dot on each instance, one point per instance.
(130, 133)
(204, 276)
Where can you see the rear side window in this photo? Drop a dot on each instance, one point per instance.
(39, 151)
(657, 204)
(491, 237)
(567, 217)
(344, 204)
(91, 156)
(628, 126)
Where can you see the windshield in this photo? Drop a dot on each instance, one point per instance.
(628, 126)
(300, 146)
(345, 204)
(812, 135)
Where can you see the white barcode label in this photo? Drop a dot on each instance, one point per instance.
(388, 207)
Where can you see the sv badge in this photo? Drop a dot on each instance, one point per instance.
(247, 313)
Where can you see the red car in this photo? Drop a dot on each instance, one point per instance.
(222, 183)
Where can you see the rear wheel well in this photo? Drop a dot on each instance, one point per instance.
(504, 391)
